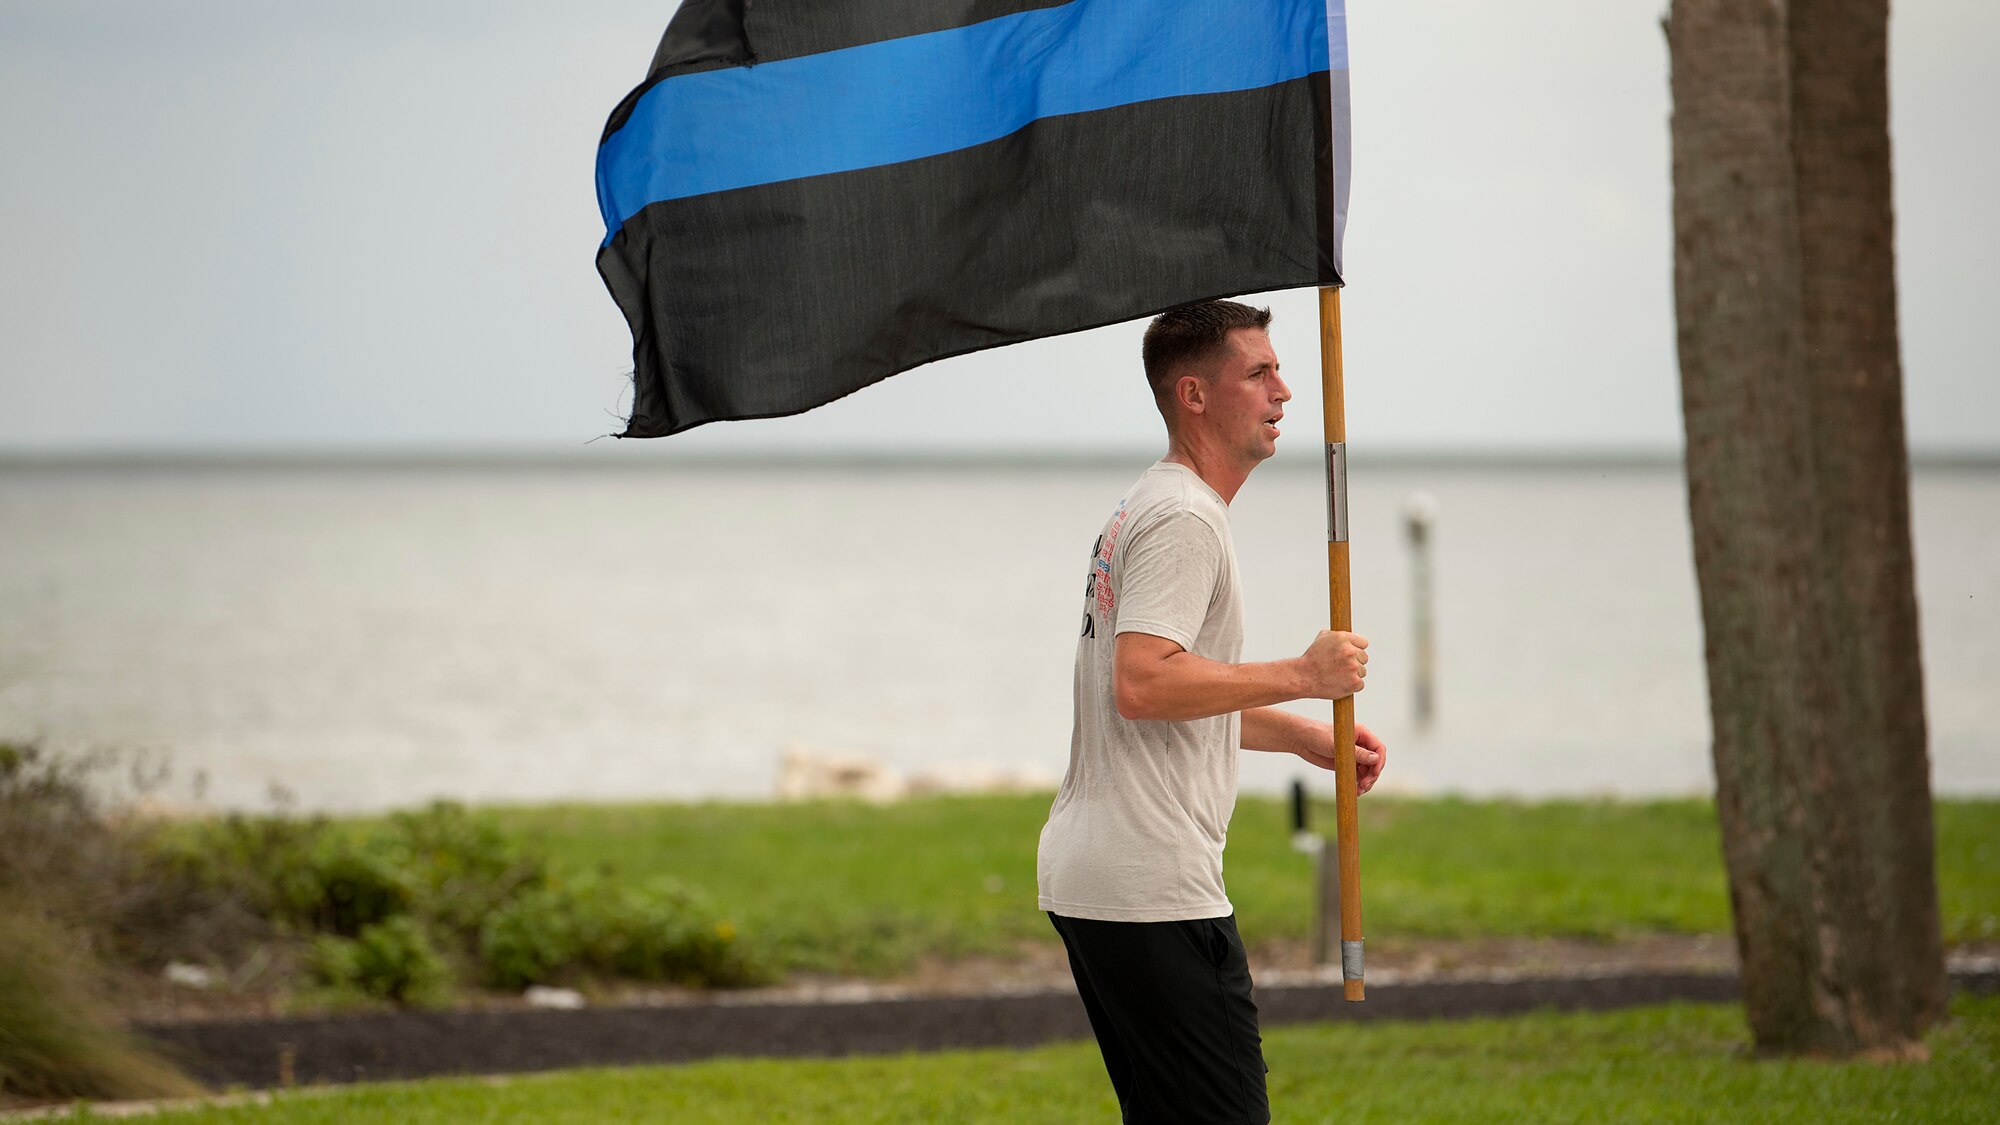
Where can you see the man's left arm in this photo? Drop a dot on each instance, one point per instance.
(1282, 732)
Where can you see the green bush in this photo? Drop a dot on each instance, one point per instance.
(343, 887)
(462, 867)
(247, 858)
(656, 931)
(529, 940)
(301, 873)
(659, 930)
(376, 907)
(392, 959)
(381, 895)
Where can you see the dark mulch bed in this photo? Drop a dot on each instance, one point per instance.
(272, 1052)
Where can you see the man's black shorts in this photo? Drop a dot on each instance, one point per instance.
(1170, 1004)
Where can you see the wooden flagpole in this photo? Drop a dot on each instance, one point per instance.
(1348, 836)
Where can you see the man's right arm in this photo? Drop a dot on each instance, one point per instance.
(1155, 678)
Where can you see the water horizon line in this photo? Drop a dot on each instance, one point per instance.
(539, 458)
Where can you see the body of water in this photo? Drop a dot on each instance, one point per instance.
(374, 636)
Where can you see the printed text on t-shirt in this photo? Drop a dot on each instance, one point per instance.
(1098, 586)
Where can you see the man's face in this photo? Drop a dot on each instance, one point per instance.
(1246, 398)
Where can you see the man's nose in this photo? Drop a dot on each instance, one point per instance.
(1282, 392)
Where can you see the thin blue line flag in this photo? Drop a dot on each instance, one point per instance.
(807, 196)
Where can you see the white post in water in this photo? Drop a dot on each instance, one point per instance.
(1326, 877)
(1419, 513)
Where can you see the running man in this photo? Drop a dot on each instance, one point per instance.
(1130, 862)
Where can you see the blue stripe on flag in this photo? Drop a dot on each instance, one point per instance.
(904, 99)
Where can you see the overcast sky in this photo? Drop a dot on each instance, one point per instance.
(231, 224)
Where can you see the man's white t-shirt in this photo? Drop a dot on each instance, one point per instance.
(1137, 831)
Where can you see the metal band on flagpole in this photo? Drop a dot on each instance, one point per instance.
(1336, 492)
(1350, 960)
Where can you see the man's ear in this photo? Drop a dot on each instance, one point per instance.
(1191, 392)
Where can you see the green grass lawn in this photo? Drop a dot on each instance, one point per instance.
(1673, 1063)
(858, 888)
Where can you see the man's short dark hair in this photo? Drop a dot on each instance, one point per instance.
(1190, 334)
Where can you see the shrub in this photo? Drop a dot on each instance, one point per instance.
(237, 855)
(390, 960)
(51, 835)
(300, 873)
(90, 873)
(342, 887)
(658, 931)
(368, 904)
(56, 1040)
(529, 940)
(462, 867)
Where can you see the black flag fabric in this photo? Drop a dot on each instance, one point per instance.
(808, 196)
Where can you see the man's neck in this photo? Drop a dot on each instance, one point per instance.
(1219, 472)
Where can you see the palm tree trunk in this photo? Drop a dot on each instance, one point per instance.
(1798, 491)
